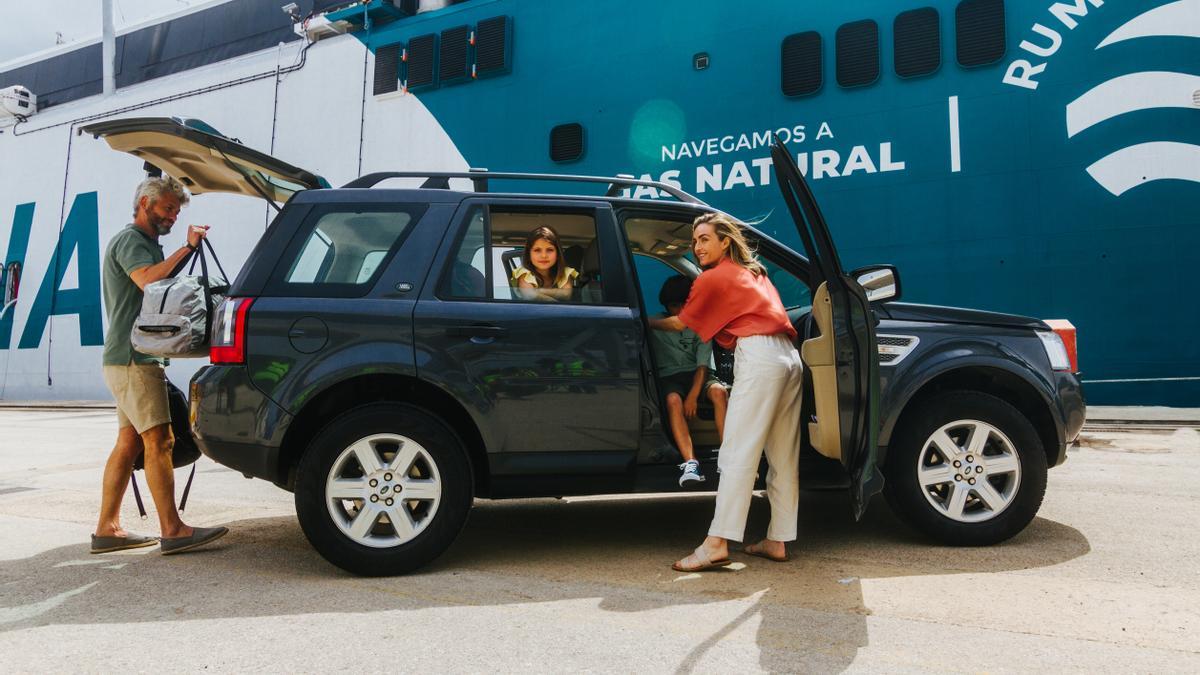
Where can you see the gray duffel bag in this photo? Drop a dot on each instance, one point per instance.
(176, 316)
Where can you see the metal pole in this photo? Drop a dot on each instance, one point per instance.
(109, 49)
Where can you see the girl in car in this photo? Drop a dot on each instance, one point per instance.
(543, 275)
(734, 302)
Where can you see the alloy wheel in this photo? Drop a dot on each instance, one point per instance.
(969, 471)
(383, 490)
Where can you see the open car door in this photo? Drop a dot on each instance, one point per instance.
(842, 359)
(198, 156)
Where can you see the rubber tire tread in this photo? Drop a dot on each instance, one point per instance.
(453, 466)
(903, 490)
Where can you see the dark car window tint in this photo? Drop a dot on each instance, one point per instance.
(467, 276)
(792, 291)
(341, 250)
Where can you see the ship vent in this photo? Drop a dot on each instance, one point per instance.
(422, 62)
(979, 31)
(566, 142)
(894, 348)
(800, 64)
(454, 57)
(387, 69)
(493, 43)
(918, 44)
(858, 53)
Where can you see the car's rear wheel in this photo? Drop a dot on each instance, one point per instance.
(383, 489)
(966, 468)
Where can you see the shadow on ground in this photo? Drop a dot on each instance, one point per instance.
(811, 611)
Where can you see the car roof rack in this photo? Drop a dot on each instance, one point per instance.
(440, 180)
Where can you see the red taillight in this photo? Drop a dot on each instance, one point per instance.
(228, 344)
(1066, 331)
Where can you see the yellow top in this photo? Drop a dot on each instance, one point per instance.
(565, 280)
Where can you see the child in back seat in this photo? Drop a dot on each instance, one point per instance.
(684, 373)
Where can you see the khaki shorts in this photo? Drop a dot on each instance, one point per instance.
(141, 394)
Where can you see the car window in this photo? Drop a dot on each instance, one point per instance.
(370, 263)
(792, 291)
(652, 273)
(342, 249)
(667, 241)
(490, 262)
(317, 251)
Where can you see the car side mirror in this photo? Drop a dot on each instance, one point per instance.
(881, 282)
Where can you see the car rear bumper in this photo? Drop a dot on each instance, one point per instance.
(235, 424)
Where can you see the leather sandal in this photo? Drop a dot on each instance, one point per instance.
(705, 563)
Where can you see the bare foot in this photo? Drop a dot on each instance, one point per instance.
(769, 549)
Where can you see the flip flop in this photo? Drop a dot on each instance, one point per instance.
(706, 563)
(110, 544)
(758, 550)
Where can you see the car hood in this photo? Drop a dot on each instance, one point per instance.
(905, 311)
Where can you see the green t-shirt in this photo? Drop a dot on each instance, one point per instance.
(129, 251)
(682, 352)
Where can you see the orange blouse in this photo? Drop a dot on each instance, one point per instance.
(729, 301)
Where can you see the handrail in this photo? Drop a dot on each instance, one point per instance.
(480, 178)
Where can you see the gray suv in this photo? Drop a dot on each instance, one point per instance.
(373, 358)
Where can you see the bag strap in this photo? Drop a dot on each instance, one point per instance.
(180, 265)
(167, 291)
(198, 253)
(137, 495)
(187, 488)
(213, 253)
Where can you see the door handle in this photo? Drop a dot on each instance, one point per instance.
(477, 331)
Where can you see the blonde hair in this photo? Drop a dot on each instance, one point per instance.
(740, 251)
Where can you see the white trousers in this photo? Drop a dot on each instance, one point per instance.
(764, 411)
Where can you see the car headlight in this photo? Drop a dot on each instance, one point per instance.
(1055, 350)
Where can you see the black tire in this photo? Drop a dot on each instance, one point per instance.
(907, 497)
(442, 448)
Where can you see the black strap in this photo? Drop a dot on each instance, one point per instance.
(137, 495)
(180, 265)
(213, 253)
(186, 489)
(163, 305)
(198, 252)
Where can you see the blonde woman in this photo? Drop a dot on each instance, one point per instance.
(734, 302)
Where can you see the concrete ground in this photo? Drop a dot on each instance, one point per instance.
(1105, 579)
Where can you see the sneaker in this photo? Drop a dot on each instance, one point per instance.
(691, 473)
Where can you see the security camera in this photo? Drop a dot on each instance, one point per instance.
(292, 10)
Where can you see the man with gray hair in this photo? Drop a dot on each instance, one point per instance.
(137, 381)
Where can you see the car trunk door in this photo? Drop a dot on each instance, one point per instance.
(198, 156)
(853, 365)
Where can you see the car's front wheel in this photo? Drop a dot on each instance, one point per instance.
(383, 489)
(966, 468)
